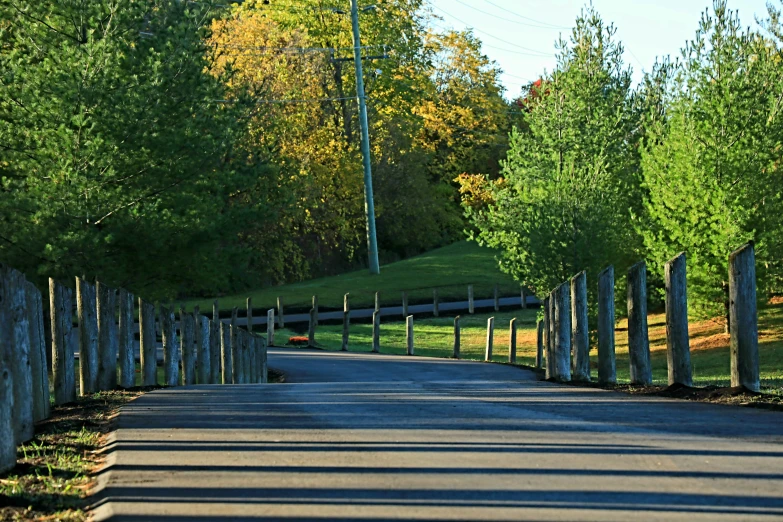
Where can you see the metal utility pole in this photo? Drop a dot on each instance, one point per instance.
(369, 205)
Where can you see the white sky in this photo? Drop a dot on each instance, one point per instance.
(647, 29)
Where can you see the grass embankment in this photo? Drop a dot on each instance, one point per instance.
(434, 338)
(449, 269)
(53, 473)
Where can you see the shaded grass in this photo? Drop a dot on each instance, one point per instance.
(434, 338)
(450, 269)
(52, 475)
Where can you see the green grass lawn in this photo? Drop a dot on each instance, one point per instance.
(450, 269)
(434, 338)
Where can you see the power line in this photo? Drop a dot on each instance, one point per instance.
(505, 19)
(538, 53)
(525, 17)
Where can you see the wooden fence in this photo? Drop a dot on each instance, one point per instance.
(200, 351)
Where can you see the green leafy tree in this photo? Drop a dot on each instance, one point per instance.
(570, 178)
(711, 165)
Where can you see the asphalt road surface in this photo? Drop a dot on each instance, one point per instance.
(380, 438)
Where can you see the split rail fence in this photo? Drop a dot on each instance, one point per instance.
(200, 351)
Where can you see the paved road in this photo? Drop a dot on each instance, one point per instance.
(380, 438)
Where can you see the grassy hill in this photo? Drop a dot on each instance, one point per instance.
(449, 269)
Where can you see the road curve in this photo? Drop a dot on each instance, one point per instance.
(379, 438)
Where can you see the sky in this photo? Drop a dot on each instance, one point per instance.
(520, 34)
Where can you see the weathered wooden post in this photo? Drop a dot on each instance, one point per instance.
(346, 322)
(214, 351)
(744, 318)
(409, 334)
(247, 359)
(496, 298)
(204, 350)
(638, 341)
(678, 351)
(539, 344)
(127, 355)
(225, 353)
(523, 298)
(170, 348)
(61, 313)
(377, 302)
(405, 304)
(270, 327)
(490, 338)
(376, 332)
(107, 338)
(148, 351)
(264, 368)
(607, 373)
(236, 356)
(547, 305)
(39, 369)
(7, 436)
(280, 313)
(311, 329)
(252, 343)
(249, 313)
(580, 334)
(187, 331)
(435, 311)
(457, 338)
(512, 341)
(215, 310)
(562, 331)
(471, 308)
(88, 337)
(315, 307)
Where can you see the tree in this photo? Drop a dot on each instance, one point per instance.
(570, 177)
(711, 165)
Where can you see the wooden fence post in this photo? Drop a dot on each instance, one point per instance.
(496, 298)
(678, 351)
(346, 321)
(264, 367)
(523, 297)
(435, 310)
(148, 351)
(204, 346)
(539, 344)
(170, 348)
(376, 332)
(7, 436)
(270, 327)
(457, 338)
(607, 373)
(39, 368)
(225, 353)
(638, 341)
(215, 310)
(547, 305)
(253, 345)
(214, 351)
(405, 304)
(236, 356)
(471, 308)
(562, 331)
(280, 313)
(311, 329)
(580, 334)
(107, 336)
(61, 314)
(512, 341)
(490, 339)
(409, 334)
(247, 359)
(127, 355)
(15, 351)
(315, 307)
(88, 336)
(744, 318)
(186, 330)
(377, 302)
(249, 313)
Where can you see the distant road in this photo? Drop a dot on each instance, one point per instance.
(379, 438)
